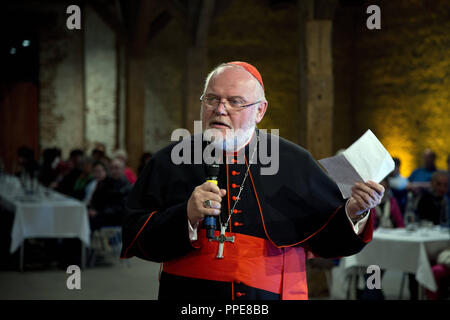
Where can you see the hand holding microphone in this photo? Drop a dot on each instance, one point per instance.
(205, 200)
(196, 209)
(212, 173)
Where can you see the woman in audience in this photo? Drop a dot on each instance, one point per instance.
(387, 214)
(107, 204)
(128, 172)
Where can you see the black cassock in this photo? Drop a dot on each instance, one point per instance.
(298, 206)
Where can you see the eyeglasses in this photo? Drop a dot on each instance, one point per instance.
(235, 103)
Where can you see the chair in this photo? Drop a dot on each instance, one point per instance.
(107, 244)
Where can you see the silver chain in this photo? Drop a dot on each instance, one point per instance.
(241, 186)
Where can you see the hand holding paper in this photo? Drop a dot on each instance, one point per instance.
(366, 159)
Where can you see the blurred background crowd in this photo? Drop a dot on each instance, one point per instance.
(101, 181)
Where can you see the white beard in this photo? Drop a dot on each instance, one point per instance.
(234, 140)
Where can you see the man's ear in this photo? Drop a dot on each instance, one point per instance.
(262, 107)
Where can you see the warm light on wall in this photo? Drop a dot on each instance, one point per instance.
(402, 83)
(399, 147)
(428, 127)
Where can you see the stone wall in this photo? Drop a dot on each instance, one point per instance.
(77, 80)
(61, 114)
(100, 83)
(164, 92)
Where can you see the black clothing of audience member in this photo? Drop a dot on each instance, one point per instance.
(145, 157)
(68, 181)
(107, 205)
(82, 181)
(430, 207)
(433, 206)
(26, 162)
(49, 171)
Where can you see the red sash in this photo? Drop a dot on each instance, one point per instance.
(253, 261)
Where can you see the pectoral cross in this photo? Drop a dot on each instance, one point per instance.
(221, 239)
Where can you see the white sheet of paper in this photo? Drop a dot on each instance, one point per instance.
(366, 159)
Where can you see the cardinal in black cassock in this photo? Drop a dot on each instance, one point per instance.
(273, 221)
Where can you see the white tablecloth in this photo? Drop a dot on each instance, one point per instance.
(47, 214)
(403, 250)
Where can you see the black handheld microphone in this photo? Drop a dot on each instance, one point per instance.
(212, 172)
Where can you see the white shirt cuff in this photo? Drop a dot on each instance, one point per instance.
(192, 231)
(358, 226)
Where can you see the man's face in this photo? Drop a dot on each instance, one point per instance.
(440, 185)
(231, 83)
(117, 169)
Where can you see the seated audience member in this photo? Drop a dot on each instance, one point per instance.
(387, 214)
(129, 173)
(107, 204)
(26, 164)
(420, 178)
(117, 169)
(83, 180)
(99, 153)
(433, 205)
(74, 159)
(441, 273)
(146, 156)
(51, 170)
(74, 170)
(397, 184)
